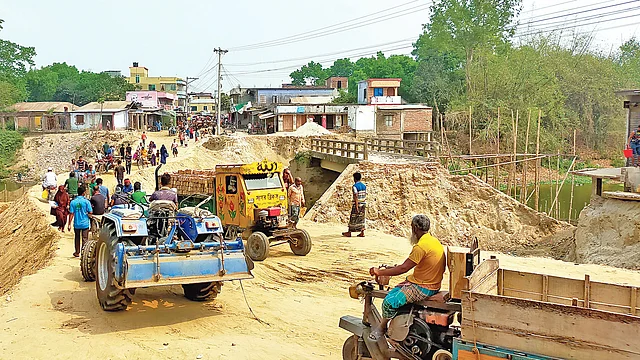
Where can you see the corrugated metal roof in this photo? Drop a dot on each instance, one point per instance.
(44, 106)
(108, 106)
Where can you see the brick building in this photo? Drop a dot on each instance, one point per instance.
(407, 122)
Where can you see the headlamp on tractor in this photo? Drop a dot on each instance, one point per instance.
(211, 225)
(129, 227)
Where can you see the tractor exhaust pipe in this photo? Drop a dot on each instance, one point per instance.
(157, 182)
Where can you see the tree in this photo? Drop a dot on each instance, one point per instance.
(14, 60)
(9, 95)
(312, 73)
(225, 102)
(460, 28)
(41, 84)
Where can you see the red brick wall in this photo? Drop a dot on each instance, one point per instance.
(417, 120)
(381, 126)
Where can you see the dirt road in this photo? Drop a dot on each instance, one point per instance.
(54, 314)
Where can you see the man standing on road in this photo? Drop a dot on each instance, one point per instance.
(127, 160)
(358, 207)
(165, 193)
(122, 150)
(98, 202)
(144, 138)
(80, 209)
(72, 185)
(103, 189)
(119, 172)
(105, 148)
(296, 201)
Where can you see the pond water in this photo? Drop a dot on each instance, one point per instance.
(12, 185)
(581, 197)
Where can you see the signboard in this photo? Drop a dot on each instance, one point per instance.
(148, 99)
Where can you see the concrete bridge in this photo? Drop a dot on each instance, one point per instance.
(335, 155)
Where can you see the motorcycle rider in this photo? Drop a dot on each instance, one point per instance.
(49, 180)
(428, 261)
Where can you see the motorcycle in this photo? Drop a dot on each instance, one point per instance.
(104, 165)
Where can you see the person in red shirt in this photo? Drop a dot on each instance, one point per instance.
(144, 138)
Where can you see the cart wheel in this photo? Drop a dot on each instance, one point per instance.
(300, 243)
(258, 246)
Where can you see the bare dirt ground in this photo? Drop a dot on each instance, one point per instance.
(54, 314)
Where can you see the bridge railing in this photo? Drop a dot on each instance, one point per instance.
(404, 147)
(347, 149)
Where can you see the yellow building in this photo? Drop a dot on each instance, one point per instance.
(139, 76)
(203, 103)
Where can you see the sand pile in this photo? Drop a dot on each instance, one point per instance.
(27, 241)
(608, 233)
(460, 207)
(311, 129)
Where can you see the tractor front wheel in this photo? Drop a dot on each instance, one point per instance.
(258, 246)
(202, 291)
(300, 242)
(110, 297)
(88, 260)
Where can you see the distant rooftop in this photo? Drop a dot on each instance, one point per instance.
(44, 106)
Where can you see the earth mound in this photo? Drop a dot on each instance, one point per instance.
(27, 240)
(460, 207)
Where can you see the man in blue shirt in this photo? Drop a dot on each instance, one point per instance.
(127, 188)
(358, 207)
(103, 189)
(80, 209)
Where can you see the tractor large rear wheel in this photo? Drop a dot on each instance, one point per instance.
(300, 243)
(88, 260)
(258, 246)
(110, 297)
(202, 291)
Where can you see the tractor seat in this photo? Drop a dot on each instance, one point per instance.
(440, 297)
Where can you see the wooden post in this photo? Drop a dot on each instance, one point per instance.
(634, 300)
(572, 177)
(557, 184)
(538, 162)
(470, 128)
(497, 176)
(512, 174)
(525, 165)
(515, 151)
(550, 174)
(587, 291)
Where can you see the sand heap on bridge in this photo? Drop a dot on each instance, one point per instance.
(460, 208)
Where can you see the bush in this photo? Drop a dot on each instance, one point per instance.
(10, 143)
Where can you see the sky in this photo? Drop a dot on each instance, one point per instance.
(177, 38)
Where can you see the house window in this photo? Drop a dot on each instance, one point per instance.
(388, 120)
(339, 84)
(194, 108)
(205, 108)
(274, 99)
(79, 119)
(378, 92)
(171, 87)
(391, 92)
(137, 79)
(152, 87)
(262, 99)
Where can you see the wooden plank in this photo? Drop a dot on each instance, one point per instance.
(634, 300)
(603, 294)
(545, 287)
(522, 285)
(549, 329)
(489, 284)
(562, 290)
(457, 264)
(587, 290)
(482, 271)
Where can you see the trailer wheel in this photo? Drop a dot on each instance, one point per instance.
(110, 297)
(351, 349)
(88, 260)
(442, 355)
(258, 246)
(301, 244)
(202, 291)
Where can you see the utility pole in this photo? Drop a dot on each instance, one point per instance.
(220, 52)
(186, 89)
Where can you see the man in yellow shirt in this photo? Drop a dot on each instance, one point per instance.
(428, 261)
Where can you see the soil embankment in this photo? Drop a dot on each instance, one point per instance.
(26, 239)
(608, 233)
(460, 207)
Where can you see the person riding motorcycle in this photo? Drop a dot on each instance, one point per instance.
(428, 261)
(49, 179)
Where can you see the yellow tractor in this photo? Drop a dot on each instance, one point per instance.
(251, 200)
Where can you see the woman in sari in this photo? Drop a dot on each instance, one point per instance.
(62, 211)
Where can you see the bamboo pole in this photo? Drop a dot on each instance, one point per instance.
(498, 164)
(557, 183)
(563, 180)
(523, 190)
(550, 176)
(572, 176)
(512, 176)
(537, 175)
(497, 172)
(470, 128)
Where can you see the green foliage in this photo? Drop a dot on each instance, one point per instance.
(312, 74)
(62, 82)
(10, 143)
(303, 158)
(345, 97)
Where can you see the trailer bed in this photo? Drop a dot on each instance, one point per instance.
(549, 315)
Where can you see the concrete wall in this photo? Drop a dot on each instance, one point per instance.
(265, 96)
(361, 117)
(362, 97)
